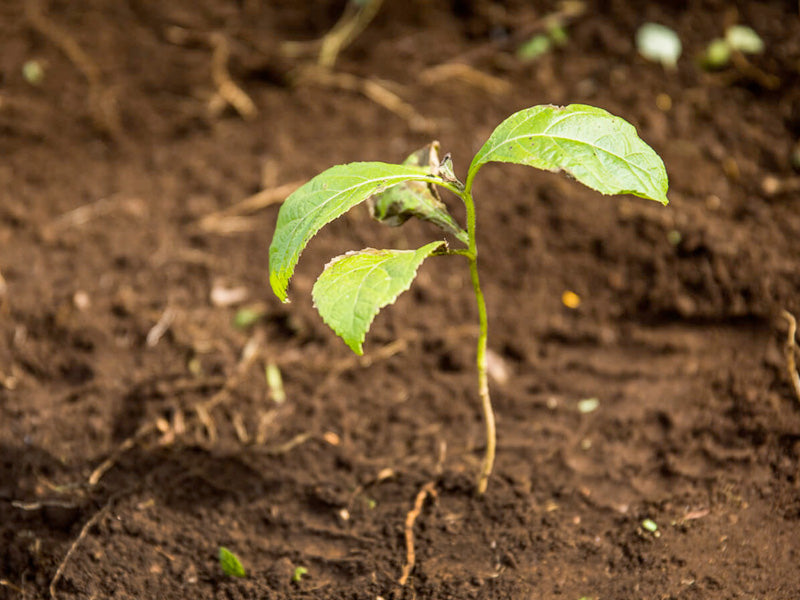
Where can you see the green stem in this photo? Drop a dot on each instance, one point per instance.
(480, 357)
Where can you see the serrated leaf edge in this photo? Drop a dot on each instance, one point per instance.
(279, 280)
(356, 345)
(477, 164)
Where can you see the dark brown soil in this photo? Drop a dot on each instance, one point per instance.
(107, 169)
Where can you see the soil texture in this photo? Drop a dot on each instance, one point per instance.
(139, 433)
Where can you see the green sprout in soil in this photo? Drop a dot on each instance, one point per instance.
(738, 38)
(593, 146)
(299, 573)
(230, 563)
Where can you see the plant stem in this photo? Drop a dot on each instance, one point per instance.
(480, 356)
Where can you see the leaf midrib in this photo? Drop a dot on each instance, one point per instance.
(317, 210)
(565, 138)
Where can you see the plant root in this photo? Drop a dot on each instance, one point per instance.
(791, 352)
(411, 517)
(102, 101)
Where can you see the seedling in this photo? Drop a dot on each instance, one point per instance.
(738, 38)
(299, 573)
(593, 146)
(230, 563)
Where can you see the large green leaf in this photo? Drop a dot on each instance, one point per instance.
(355, 286)
(595, 147)
(326, 197)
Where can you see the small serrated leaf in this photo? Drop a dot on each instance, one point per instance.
(598, 149)
(355, 286)
(397, 204)
(230, 563)
(326, 197)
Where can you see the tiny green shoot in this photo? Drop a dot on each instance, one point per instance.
(542, 43)
(247, 316)
(650, 525)
(230, 563)
(738, 38)
(533, 48)
(596, 148)
(299, 573)
(33, 72)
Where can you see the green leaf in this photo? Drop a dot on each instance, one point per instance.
(230, 563)
(598, 149)
(248, 316)
(397, 204)
(298, 574)
(717, 54)
(534, 47)
(355, 286)
(326, 197)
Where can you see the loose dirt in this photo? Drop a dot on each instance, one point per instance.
(137, 430)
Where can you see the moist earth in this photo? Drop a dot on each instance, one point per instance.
(138, 432)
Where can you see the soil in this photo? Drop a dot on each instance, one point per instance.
(138, 433)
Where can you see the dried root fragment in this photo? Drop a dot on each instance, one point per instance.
(791, 352)
(427, 490)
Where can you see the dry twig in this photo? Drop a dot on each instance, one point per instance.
(229, 218)
(369, 88)
(228, 92)
(298, 440)
(126, 445)
(791, 352)
(353, 21)
(411, 517)
(3, 295)
(466, 73)
(102, 101)
(8, 584)
(158, 330)
(226, 88)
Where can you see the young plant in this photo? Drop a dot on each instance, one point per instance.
(230, 563)
(594, 147)
(738, 38)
